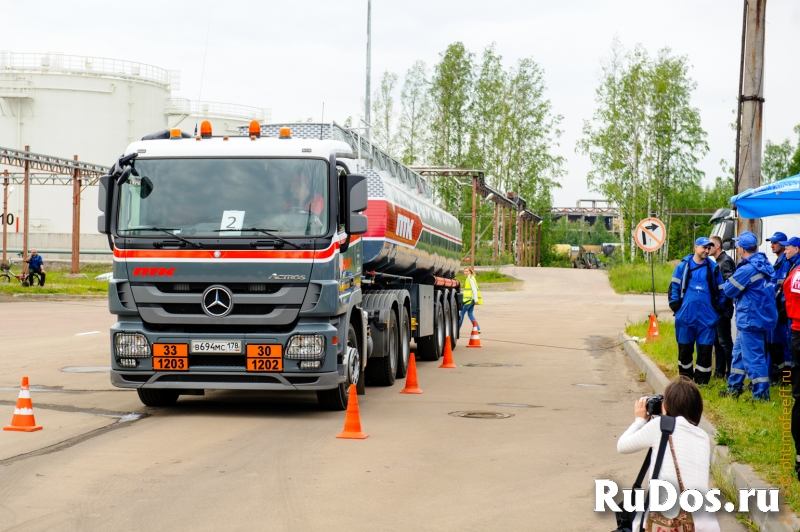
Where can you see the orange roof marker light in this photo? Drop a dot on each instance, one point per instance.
(285, 133)
(205, 129)
(175, 133)
(255, 129)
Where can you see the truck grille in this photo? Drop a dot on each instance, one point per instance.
(241, 309)
(236, 288)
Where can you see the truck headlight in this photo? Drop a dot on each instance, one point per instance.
(131, 345)
(305, 347)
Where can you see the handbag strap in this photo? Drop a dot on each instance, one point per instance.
(675, 461)
(667, 428)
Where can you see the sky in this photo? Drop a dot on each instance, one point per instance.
(294, 56)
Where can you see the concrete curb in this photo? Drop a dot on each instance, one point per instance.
(743, 475)
(62, 297)
(502, 287)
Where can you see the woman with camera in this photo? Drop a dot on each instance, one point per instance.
(689, 444)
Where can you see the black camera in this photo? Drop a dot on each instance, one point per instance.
(653, 405)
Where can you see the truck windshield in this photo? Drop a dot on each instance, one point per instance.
(225, 197)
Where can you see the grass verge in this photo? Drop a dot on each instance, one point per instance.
(58, 282)
(751, 431)
(489, 276)
(635, 278)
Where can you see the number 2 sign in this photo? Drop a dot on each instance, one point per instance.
(231, 224)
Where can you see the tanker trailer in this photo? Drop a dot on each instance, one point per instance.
(290, 257)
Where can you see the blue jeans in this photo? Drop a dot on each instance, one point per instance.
(467, 309)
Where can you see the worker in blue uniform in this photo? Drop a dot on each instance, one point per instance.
(785, 370)
(696, 298)
(780, 344)
(756, 315)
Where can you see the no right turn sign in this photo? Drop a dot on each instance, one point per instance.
(650, 234)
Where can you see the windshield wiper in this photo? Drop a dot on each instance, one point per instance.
(166, 231)
(259, 230)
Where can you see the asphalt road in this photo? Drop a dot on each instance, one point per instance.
(267, 461)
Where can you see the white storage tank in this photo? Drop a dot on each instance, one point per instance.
(65, 105)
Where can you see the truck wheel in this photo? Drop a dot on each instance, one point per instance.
(405, 344)
(454, 314)
(381, 370)
(157, 396)
(336, 399)
(430, 347)
(448, 317)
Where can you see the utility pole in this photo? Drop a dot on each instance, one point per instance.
(27, 203)
(76, 220)
(5, 218)
(474, 219)
(751, 106)
(369, 70)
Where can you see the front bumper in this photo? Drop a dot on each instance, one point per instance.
(231, 377)
(219, 380)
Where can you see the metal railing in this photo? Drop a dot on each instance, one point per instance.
(81, 64)
(184, 106)
(53, 165)
(11, 88)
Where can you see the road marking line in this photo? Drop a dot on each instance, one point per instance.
(90, 332)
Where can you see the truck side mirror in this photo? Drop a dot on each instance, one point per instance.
(355, 203)
(728, 233)
(104, 196)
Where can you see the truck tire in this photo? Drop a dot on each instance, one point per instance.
(157, 396)
(336, 398)
(448, 317)
(431, 347)
(405, 344)
(381, 371)
(455, 318)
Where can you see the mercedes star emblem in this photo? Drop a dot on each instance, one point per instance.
(217, 301)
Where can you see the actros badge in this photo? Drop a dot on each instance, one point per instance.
(287, 277)
(217, 301)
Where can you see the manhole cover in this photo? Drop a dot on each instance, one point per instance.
(488, 365)
(516, 405)
(480, 414)
(86, 369)
(584, 384)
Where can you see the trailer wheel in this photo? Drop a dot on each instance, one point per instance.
(431, 347)
(455, 317)
(405, 344)
(157, 396)
(336, 399)
(448, 317)
(382, 370)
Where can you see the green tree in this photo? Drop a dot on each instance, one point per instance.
(415, 114)
(781, 160)
(645, 138)
(383, 123)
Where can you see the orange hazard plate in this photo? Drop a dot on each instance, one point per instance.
(264, 357)
(170, 350)
(264, 364)
(171, 363)
(264, 350)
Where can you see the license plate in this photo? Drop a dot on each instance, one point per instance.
(264, 357)
(170, 363)
(216, 346)
(264, 364)
(170, 350)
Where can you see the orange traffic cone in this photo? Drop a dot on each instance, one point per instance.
(23, 414)
(448, 355)
(352, 421)
(652, 332)
(411, 378)
(475, 337)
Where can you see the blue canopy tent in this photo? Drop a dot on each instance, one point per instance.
(780, 197)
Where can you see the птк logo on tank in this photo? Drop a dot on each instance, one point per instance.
(403, 225)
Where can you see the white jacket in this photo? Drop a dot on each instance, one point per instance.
(693, 451)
